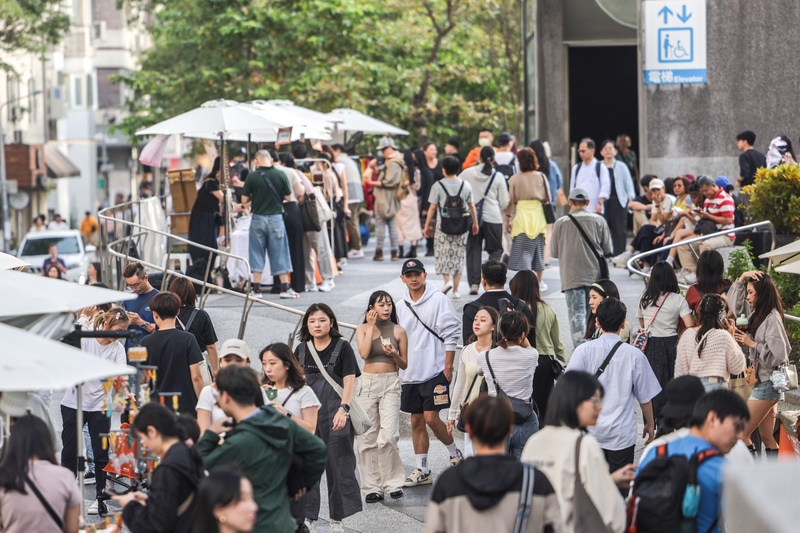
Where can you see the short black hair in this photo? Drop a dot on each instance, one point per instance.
(273, 154)
(724, 403)
(299, 150)
(589, 143)
(747, 136)
(494, 272)
(571, 390)
(131, 269)
(240, 382)
(165, 304)
(611, 314)
(646, 179)
(503, 139)
(451, 165)
(338, 147)
(454, 143)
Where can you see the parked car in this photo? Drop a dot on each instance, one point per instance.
(72, 248)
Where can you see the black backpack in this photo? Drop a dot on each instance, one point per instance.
(666, 494)
(596, 170)
(456, 218)
(507, 170)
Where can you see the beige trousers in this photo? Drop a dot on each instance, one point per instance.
(379, 462)
(686, 253)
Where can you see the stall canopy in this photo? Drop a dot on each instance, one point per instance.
(786, 258)
(29, 362)
(350, 120)
(9, 262)
(58, 165)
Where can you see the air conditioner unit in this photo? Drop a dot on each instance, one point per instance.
(99, 31)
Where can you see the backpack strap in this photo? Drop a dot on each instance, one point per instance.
(302, 357)
(191, 319)
(525, 498)
(335, 354)
(491, 180)
(597, 169)
(607, 360)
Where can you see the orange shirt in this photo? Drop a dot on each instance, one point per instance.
(472, 158)
(89, 225)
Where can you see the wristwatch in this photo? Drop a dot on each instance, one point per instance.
(346, 407)
(289, 414)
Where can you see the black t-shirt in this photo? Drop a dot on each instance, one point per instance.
(206, 201)
(749, 162)
(173, 352)
(643, 200)
(437, 171)
(346, 364)
(201, 327)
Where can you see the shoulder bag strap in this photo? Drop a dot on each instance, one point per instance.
(272, 188)
(578, 459)
(191, 319)
(57, 519)
(525, 498)
(302, 356)
(491, 372)
(469, 391)
(144, 303)
(650, 323)
(322, 369)
(546, 190)
(283, 403)
(491, 180)
(607, 360)
(421, 322)
(603, 266)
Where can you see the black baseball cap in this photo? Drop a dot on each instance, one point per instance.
(412, 265)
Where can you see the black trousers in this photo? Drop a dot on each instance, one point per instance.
(294, 231)
(339, 234)
(617, 218)
(643, 242)
(543, 383)
(98, 423)
(492, 235)
(616, 459)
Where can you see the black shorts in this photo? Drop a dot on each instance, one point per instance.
(432, 395)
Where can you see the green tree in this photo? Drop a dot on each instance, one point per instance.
(435, 67)
(29, 25)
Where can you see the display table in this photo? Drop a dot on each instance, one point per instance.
(240, 245)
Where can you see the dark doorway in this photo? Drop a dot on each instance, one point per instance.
(603, 98)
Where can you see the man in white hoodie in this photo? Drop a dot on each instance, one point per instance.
(433, 331)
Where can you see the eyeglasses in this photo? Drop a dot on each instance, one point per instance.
(597, 401)
(740, 424)
(135, 286)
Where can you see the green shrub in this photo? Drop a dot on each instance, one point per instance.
(740, 261)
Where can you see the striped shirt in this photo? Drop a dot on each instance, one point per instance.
(721, 206)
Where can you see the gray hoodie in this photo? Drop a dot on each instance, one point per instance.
(497, 197)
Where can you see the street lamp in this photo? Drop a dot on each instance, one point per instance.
(3, 182)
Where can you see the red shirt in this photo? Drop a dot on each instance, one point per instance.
(721, 205)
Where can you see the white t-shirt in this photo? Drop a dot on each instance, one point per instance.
(666, 321)
(302, 398)
(506, 158)
(207, 401)
(93, 393)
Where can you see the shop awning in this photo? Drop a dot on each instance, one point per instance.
(59, 165)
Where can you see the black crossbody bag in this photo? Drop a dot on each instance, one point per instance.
(600, 259)
(424, 325)
(523, 409)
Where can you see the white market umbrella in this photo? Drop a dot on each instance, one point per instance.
(29, 363)
(215, 119)
(31, 294)
(784, 255)
(352, 120)
(9, 262)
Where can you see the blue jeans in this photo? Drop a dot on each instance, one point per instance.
(577, 310)
(268, 237)
(520, 435)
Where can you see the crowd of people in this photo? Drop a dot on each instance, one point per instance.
(549, 441)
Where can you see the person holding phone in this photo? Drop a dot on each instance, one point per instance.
(384, 347)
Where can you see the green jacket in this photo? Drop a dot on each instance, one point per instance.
(260, 447)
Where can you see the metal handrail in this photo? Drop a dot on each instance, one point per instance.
(767, 223)
(167, 272)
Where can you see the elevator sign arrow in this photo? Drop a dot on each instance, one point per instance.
(674, 41)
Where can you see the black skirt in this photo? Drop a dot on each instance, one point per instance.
(202, 230)
(660, 353)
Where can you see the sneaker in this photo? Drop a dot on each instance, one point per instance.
(542, 286)
(396, 495)
(89, 478)
(342, 262)
(355, 254)
(310, 526)
(457, 458)
(447, 287)
(97, 508)
(326, 285)
(336, 526)
(311, 287)
(473, 290)
(289, 294)
(256, 293)
(621, 259)
(456, 295)
(418, 477)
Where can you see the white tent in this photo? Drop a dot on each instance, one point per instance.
(9, 262)
(786, 258)
(350, 120)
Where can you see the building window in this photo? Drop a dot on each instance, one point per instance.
(32, 101)
(77, 12)
(77, 91)
(12, 94)
(89, 91)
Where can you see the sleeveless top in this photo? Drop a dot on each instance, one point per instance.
(376, 354)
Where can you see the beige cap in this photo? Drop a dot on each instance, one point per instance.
(235, 347)
(656, 184)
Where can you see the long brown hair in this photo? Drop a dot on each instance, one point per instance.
(109, 319)
(767, 299)
(525, 286)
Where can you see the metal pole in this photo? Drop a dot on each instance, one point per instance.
(4, 186)
(80, 442)
(525, 80)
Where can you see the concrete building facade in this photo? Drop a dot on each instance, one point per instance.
(589, 82)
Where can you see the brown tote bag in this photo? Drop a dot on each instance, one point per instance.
(587, 517)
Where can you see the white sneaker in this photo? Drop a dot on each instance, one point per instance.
(342, 262)
(418, 477)
(456, 295)
(311, 287)
(447, 287)
(621, 259)
(457, 458)
(690, 278)
(311, 527)
(289, 294)
(93, 509)
(326, 285)
(355, 254)
(542, 286)
(336, 526)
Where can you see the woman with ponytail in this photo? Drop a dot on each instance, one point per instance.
(510, 367)
(171, 501)
(490, 194)
(94, 415)
(709, 350)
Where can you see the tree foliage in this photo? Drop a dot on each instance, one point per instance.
(435, 67)
(29, 25)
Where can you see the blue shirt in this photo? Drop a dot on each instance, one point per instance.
(709, 475)
(144, 311)
(627, 379)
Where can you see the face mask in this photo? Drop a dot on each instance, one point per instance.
(484, 141)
